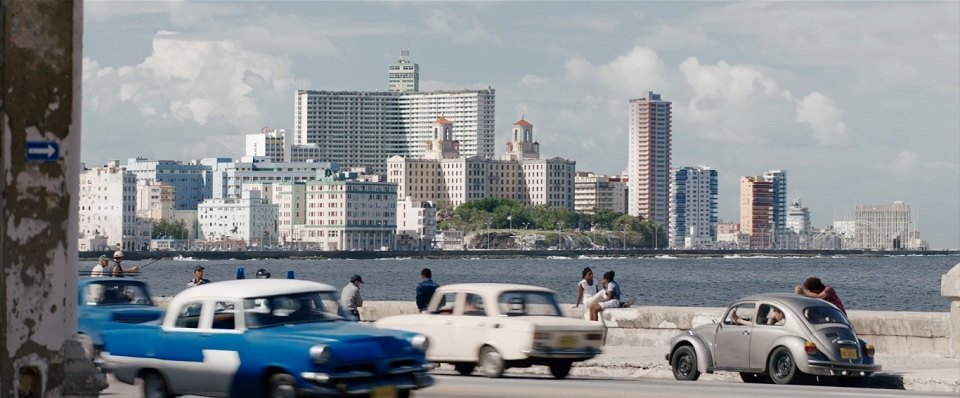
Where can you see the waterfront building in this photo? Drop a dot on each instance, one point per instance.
(594, 192)
(730, 237)
(155, 200)
(693, 208)
(108, 210)
(649, 158)
(416, 224)
(778, 181)
(248, 218)
(885, 227)
(403, 75)
(756, 210)
(445, 175)
(337, 212)
(798, 218)
(190, 181)
(275, 145)
(229, 177)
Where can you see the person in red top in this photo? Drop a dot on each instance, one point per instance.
(813, 287)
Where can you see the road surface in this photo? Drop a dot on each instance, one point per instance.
(450, 386)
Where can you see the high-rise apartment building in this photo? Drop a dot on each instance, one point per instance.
(756, 210)
(778, 181)
(403, 75)
(278, 146)
(693, 207)
(649, 158)
(798, 218)
(599, 192)
(446, 175)
(108, 209)
(883, 227)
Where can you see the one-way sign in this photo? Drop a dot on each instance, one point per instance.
(43, 151)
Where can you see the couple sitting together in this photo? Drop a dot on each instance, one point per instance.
(597, 300)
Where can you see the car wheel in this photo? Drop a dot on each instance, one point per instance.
(749, 377)
(282, 385)
(464, 369)
(155, 386)
(684, 363)
(851, 381)
(782, 367)
(560, 369)
(491, 362)
(405, 394)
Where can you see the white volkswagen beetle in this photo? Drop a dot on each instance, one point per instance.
(499, 326)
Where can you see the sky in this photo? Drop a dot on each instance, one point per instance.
(858, 101)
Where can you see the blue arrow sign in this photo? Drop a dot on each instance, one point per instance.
(43, 151)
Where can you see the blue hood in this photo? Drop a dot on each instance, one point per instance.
(347, 340)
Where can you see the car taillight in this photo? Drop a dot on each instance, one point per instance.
(810, 347)
(595, 336)
(869, 350)
(541, 336)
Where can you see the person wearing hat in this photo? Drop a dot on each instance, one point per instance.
(263, 274)
(198, 278)
(118, 271)
(102, 264)
(350, 296)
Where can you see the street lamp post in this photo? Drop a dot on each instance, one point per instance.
(624, 236)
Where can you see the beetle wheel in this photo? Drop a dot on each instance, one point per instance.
(684, 364)
(783, 369)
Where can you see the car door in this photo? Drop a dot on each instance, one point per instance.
(180, 354)
(765, 333)
(220, 341)
(732, 341)
(439, 324)
(472, 326)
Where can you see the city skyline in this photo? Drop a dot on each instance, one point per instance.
(858, 112)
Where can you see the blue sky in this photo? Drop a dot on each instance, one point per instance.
(859, 102)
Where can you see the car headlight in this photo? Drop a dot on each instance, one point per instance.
(420, 342)
(320, 353)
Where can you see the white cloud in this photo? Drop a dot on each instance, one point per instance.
(458, 29)
(637, 71)
(533, 81)
(824, 118)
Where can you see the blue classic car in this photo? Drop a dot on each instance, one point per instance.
(105, 303)
(265, 337)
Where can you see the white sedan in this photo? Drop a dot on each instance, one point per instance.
(499, 326)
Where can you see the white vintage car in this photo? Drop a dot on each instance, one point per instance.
(499, 326)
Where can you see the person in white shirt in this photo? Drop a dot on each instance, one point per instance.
(350, 296)
(586, 289)
(97, 270)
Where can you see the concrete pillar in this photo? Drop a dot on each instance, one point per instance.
(40, 59)
(950, 288)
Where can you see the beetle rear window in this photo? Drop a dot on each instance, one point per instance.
(819, 315)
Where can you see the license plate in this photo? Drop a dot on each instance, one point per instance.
(848, 353)
(383, 392)
(567, 342)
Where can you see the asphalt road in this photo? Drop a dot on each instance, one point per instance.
(450, 386)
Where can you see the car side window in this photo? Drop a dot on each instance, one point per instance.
(447, 303)
(474, 305)
(189, 316)
(770, 315)
(224, 316)
(741, 314)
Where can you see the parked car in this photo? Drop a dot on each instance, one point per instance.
(499, 326)
(265, 337)
(105, 303)
(775, 337)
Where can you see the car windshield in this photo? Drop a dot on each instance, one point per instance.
(818, 315)
(291, 308)
(529, 304)
(116, 293)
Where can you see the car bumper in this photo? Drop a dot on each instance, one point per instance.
(331, 385)
(558, 353)
(828, 368)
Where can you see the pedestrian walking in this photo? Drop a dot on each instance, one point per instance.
(198, 278)
(350, 298)
(425, 289)
(813, 287)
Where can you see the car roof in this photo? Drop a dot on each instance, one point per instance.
(493, 287)
(792, 300)
(243, 288)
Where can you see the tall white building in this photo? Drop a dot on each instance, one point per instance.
(445, 175)
(798, 218)
(885, 227)
(416, 224)
(693, 207)
(648, 168)
(108, 209)
(155, 200)
(594, 192)
(190, 181)
(248, 218)
(403, 75)
(275, 145)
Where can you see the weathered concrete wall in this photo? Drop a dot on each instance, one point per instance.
(950, 288)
